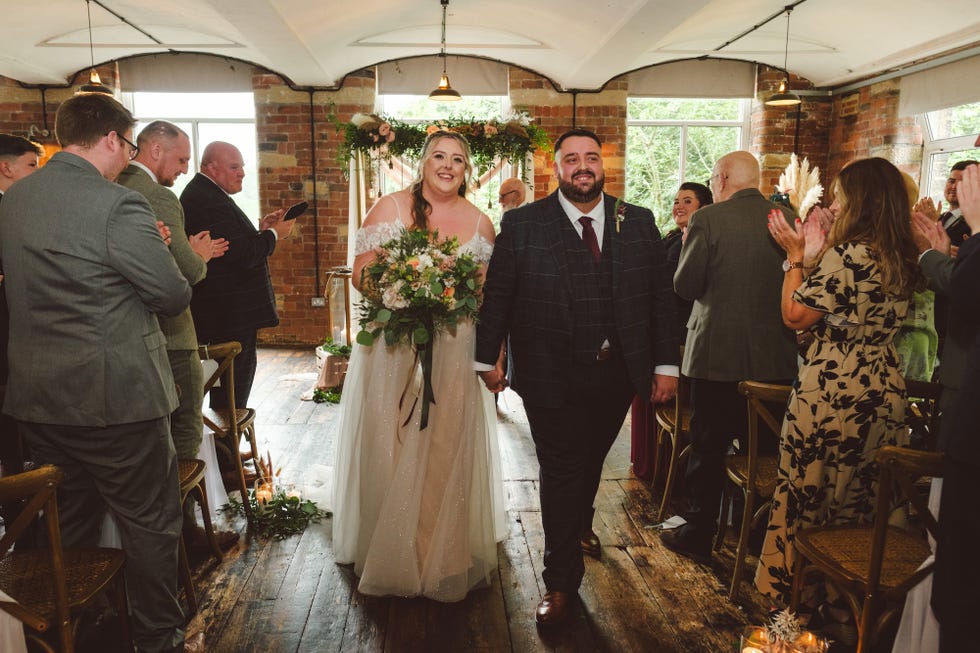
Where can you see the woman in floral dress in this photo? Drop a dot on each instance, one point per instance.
(849, 398)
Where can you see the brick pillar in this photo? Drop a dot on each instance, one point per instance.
(284, 123)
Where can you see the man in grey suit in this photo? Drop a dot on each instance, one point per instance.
(730, 267)
(590, 322)
(90, 385)
(164, 151)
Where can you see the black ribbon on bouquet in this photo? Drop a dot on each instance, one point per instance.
(423, 354)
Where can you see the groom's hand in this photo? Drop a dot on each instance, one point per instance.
(494, 379)
(664, 388)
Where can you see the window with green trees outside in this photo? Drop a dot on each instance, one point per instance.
(673, 140)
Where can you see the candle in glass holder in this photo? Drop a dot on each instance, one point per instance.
(754, 640)
(263, 496)
(809, 642)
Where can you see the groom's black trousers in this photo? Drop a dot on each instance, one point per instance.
(572, 441)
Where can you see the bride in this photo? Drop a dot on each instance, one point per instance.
(419, 512)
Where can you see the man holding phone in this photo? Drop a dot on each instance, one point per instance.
(235, 300)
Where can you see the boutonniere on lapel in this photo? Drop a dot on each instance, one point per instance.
(619, 208)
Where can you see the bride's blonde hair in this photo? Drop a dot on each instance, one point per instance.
(420, 206)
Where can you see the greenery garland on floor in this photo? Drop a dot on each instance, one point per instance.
(282, 516)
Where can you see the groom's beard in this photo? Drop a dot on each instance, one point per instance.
(582, 196)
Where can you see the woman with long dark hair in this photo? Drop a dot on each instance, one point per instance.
(849, 398)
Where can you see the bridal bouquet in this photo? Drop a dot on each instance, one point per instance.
(417, 286)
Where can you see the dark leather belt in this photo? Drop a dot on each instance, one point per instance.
(604, 354)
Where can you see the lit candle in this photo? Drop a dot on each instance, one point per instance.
(751, 649)
(263, 496)
(809, 642)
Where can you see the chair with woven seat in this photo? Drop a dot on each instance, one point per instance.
(191, 474)
(751, 472)
(875, 565)
(229, 424)
(52, 586)
(674, 422)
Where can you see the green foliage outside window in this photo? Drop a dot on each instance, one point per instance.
(654, 164)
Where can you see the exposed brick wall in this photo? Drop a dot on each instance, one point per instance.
(775, 131)
(22, 107)
(866, 123)
(832, 132)
(286, 155)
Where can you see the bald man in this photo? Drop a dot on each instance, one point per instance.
(511, 195)
(235, 300)
(732, 270)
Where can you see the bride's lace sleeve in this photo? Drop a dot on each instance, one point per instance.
(373, 236)
(480, 248)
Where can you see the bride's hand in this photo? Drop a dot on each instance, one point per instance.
(494, 379)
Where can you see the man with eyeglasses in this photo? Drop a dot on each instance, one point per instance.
(90, 385)
(512, 192)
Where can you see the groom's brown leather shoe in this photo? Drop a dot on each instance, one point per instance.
(591, 545)
(553, 608)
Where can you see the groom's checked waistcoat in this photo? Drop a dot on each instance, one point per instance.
(532, 294)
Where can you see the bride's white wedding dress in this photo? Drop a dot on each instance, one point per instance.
(418, 512)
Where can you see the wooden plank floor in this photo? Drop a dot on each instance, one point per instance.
(291, 596)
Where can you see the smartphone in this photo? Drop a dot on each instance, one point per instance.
(296, 210)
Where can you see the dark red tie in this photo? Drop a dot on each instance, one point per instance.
(588, 235)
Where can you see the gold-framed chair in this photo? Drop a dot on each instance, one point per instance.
(191, 473)
(229, 424)
(875, 565)
(52, 586)
(673, 422)
(753, 473)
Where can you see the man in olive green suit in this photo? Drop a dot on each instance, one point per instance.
(86, 273)
(730, 267)
(164, 152)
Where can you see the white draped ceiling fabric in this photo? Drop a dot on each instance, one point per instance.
(715, 78)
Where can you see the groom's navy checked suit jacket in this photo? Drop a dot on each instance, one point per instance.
(528, 295)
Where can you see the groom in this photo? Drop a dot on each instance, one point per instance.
(578, 281)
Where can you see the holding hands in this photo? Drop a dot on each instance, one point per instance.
(495, 379)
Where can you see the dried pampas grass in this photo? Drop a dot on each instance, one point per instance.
(802, 184)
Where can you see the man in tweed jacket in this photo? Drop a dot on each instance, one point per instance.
(590, 325)
(731, 268)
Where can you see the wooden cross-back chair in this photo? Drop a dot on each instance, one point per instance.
(229, 424)
(752, 472)
(875, 565)
(674, 422)
(53, 585)
(190, 472)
